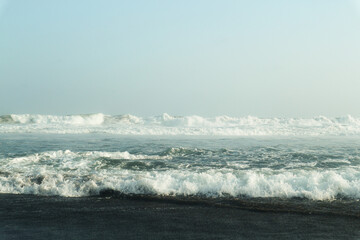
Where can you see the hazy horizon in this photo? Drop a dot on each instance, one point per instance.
(207, 58)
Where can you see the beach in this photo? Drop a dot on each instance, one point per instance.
(110, 186)
(39, 217)
(179, 120)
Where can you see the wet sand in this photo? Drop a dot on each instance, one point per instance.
(35, 217)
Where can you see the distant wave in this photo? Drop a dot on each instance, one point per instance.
(83, 119)
(179, 125)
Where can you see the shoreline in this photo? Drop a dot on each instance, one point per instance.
(107, 217)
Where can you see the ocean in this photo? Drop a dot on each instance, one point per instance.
(264, 165)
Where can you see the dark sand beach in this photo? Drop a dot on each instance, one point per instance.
(37, 217)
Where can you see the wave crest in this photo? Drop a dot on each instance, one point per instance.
(179, 125)
(72, 174)
(84, 119)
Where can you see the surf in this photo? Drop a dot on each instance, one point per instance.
(167, 125)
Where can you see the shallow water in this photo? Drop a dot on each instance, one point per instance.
(283, 169)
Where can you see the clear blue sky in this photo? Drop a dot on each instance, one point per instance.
(256, 57)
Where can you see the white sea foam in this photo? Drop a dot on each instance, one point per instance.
(176, 125)
(86, 119)
(72, 174)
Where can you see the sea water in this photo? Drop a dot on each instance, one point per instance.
(316, 160)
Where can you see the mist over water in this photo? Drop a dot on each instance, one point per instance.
(285, 73)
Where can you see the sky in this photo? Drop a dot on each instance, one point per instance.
(263, 58)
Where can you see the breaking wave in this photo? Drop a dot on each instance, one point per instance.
(179, 125)
(76, 174)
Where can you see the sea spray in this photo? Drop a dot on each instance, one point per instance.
(179, 125)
